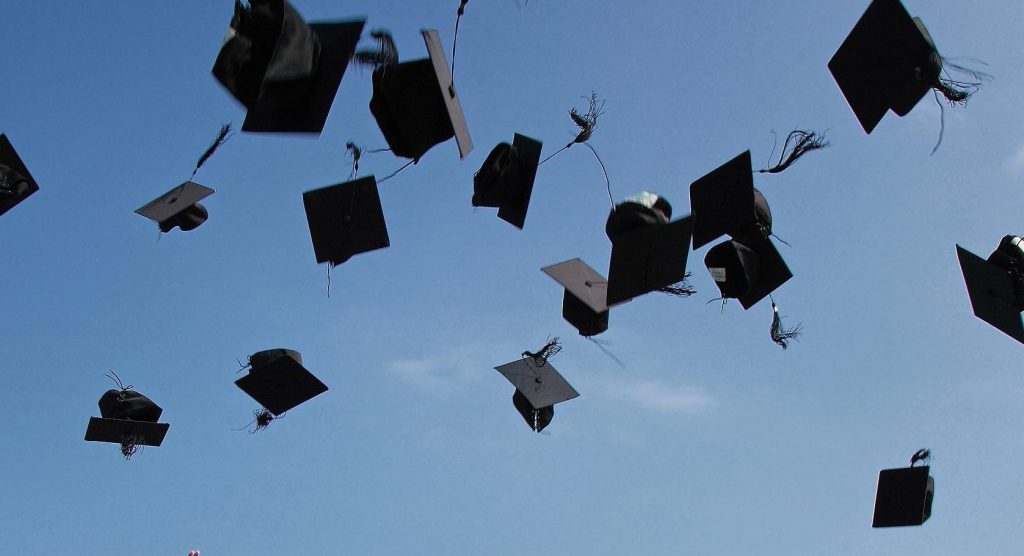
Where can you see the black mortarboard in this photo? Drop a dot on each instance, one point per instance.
(992, 292)
(541, 385)
(904, 497)
(127, 418)
(584, 301)
(648, 258)
(278, 381)
(887, 62)
(178, 207)
(505, 180)
(747, 271)
(285, 71)
(345, 220)
(16, 183)
(726, 202)
(416, 106)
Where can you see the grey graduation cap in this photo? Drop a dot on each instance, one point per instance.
(178, 207)
(16, 183)
(540, 385)
(278, 381)
(584, 302)
(992, 293)
(648, 258)
(416, 106)
(904, 497)
(285, 71)
(345, 220)
(888, 62)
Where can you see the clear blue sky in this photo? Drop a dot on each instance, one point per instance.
(711, 441)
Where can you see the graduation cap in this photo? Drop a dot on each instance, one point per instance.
(584, 299)
(647, 255)
(345, 220)
(505, 180)
(416, 106)
(995, 291)
(726, 202)
(16, 183)
(178, 207)
(538, 388)
(127, 418)
(904, 495)
(278, 381)
(749, 270)
(286, 72)
(889, 62)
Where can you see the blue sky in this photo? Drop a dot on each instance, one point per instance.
(711, 440)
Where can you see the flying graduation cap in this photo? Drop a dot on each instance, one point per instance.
(584, 301)
(996, 285)
(747, 267)
(127, 418)
(505, 180)
(278, 381)
(904, 495)
(889, 62)
(16, 183)
(286, 72)
(345, 220)
(648, 251)
(416, 106)
(538, 386)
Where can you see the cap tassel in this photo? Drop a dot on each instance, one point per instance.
(455, 39)
(924, 455)
(803, 143)
(356, 152)
(222, 138)
(681, 288)
(956, 91)
(129, 445)
(385, 54)
(781, 335)
(261, 418)
(548, 351)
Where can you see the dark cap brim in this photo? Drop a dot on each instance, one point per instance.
(345, 220)
(723, 201)
(118, 430)
(646, 259)
(281, 385)
(991, 291)
(9, 157)
(514, 210)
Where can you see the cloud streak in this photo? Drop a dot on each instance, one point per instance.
(1016, 161)
(661, 397)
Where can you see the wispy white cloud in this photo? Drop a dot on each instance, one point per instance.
(442, 373)
(658, 396)
(1016, 161)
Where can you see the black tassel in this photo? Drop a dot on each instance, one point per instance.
(681, 288)
(222, 137)
(923, 455)
(356, 152)
(261, 418)
(958, 91)
(803, 142)
(386, 53)
(781, 335)
(588, 122)
(549, 350)
(129, 446)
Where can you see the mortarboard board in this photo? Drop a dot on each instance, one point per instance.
(178, 207)
(726, 202)
(505, 180)
(540, 384)
(904, 497)
(648, 258)
(991, 290)
(16, 183)
(584, 301)
(887, 62)
(285, 71)
(747, 271)
(416, 106)
(118, 431)
(278, 381)
(345, 220)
